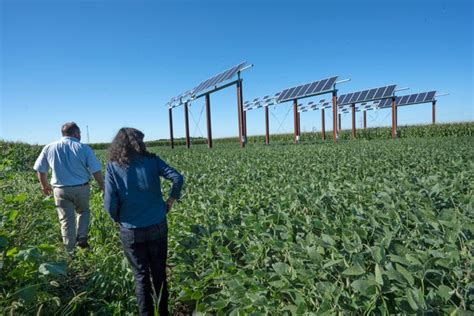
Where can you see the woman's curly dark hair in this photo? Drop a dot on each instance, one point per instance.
(128, 144)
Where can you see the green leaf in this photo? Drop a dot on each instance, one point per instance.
(354, 270)
(22, 197)
(364, 286)
(412, 301)
(444, 292)
(54, 269)
(28, 294)
(13, 215)
(405, 274)
(281, 268)
(328, 239)
(378, 275)
(11, 252)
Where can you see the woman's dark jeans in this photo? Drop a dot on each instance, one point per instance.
(146, 250)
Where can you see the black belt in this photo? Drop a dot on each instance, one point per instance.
(72, 186)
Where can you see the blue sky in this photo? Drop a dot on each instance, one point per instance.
(109, 64)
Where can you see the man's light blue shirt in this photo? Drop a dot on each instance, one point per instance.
(71, 161)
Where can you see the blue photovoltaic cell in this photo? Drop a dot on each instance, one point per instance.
(285, 93)
(328, 85)
(421, 97)
(371, 94)
(412, 98)
(363, 95)
(385, 103)
(308, 89)
(296, 92)
(390, 90)
(380, 93)
(354, 97)
(319, 86)
(342, 98)
(312, 86)
(305, 88)
(430, 96)
(404, 99)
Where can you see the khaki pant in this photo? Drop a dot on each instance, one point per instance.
(72, 204)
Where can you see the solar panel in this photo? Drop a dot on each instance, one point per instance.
(366, 95)
(385, 103)
(430, 97)
(221, 77)
(306, 90)
(417, 98)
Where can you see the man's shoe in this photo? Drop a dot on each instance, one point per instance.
(82, 243)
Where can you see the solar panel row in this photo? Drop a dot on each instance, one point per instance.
(366, 95)
(311, 106)
(306, 90)
(223, 76)
(410, 99)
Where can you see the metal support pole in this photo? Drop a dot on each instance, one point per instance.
(339, 122)
(433, 114)
(208, 117)
(334, 116)
(299, 125)
(394, 118)
(267, 127)
(353, 121)
(245, 127)
(365, 119)
(170, 111)
(323, 127)
(239, 112)
(186, 125)
(244, 114)
(295, 120)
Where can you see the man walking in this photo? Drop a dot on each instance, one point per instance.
(72, 163)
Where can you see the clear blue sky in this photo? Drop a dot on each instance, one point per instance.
(108, 64)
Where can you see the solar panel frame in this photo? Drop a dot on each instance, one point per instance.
(370, 95)
(221, 77)
(307, 89)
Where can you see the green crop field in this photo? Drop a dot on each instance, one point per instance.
(359, 227)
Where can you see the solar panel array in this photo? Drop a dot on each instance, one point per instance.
(206, 84)
(259, 103)
(410, 99)
(180, 99)
(366, 95)
(223, 76)
(306, 90)
(312, 106)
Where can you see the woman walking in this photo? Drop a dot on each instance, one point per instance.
(133, 199)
